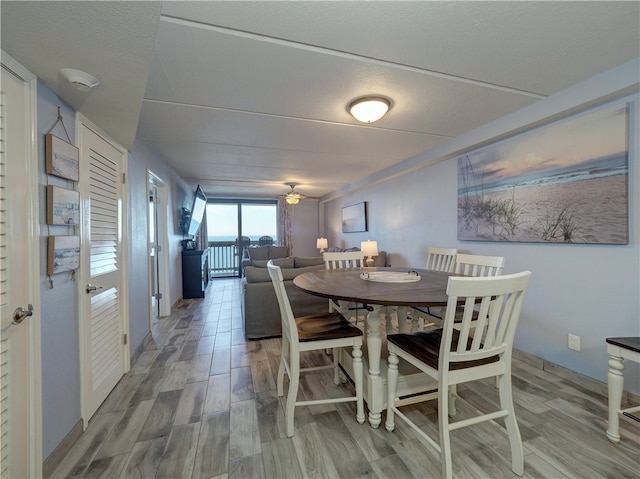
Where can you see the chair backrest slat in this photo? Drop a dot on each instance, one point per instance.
(441, 259)
(478, 265)
(345, 259)
(289, 328)
(488, 330)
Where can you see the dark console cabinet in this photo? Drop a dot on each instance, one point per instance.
(195, 273)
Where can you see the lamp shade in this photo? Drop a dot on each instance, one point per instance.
(369, 109)
(322, 243)
(369, 248)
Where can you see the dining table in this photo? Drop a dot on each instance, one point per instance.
(380, 289)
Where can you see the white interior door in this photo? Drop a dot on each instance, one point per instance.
(159, 213)
(20, 405)
(154, 291)
(104, 322)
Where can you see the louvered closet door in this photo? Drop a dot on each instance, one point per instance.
(16, 375)
(101, 186)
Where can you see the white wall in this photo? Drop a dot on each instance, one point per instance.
(589, 290)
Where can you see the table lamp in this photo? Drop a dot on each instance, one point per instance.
(322, 243)
(369, 248)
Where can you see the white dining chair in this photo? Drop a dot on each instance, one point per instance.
(471, 265)
(344, 260)
(438, 259)
(480, 348)
(310, 333)
(479, 266)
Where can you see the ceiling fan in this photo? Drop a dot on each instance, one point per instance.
(293, 197)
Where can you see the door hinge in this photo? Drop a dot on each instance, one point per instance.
(124, 178)
(124, 339)
(158, 248)
(158, 295)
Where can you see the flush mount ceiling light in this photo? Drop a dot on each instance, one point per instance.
(293, 197)
(80, 80)
(369, 109)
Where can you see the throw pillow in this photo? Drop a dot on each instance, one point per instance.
(260, 252)
(381, 259)
(284, 263)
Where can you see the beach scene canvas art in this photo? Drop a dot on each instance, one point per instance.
(64, 254)
(63, 158)
(63, 206)
(563, 183)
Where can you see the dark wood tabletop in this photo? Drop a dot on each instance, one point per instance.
(346, 285)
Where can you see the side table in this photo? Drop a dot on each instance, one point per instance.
(620, 349)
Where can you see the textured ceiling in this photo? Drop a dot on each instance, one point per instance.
(244, 97)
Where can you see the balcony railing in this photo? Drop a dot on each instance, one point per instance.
(225, 257)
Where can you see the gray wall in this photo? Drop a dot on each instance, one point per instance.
(588, 290)
(143, 159)
(304, 228)
(60, 326)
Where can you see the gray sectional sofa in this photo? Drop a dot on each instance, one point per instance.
(260, 311)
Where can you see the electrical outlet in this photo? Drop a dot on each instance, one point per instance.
(573, 342)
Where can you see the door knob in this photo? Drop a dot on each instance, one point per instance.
(92, 287)
(20, 313)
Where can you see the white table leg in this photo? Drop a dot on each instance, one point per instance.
(615, 383)
(402, 319)
(375, 390)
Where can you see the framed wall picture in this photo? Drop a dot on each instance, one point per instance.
(63, 158)
(354, 218)
(64, 254)
(63, 206)
(565, 182)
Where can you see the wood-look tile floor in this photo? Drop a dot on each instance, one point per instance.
(200, 402)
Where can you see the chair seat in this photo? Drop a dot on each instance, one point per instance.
(325, 326)
(425, 346)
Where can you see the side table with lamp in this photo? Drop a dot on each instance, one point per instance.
(369, 249)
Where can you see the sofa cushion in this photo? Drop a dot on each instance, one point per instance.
(282, 262)
(256, 275)
(300, 262)
(259, 253)
(288, 274)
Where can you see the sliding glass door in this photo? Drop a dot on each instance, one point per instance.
(233, 227)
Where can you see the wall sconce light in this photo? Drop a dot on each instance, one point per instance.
(322, 243)
(369, 109)
(369, 248)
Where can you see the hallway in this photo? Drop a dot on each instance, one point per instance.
(200, 402)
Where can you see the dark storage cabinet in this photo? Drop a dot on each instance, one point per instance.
(195, 273)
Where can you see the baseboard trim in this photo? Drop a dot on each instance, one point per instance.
(586, 382)
(60, 452)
